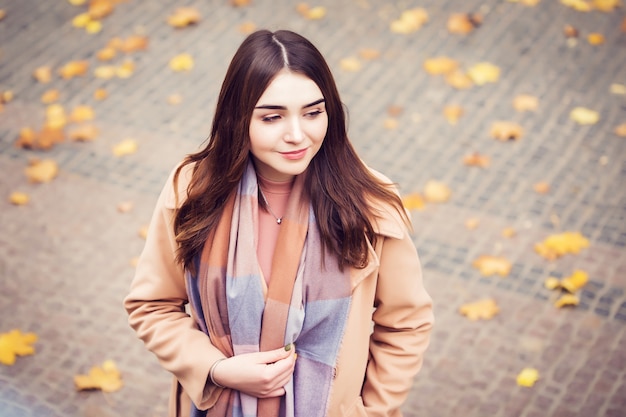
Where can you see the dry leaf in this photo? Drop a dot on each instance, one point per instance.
(440, 65)
(584, 116)
(459, 80)
(81, 20)
(55, 116)
(181, 62)
(105, 72)
(557, 245)
(453, 113)
(595, 38)
(623, 28)
(606, 5)
(125, 147)
(413, 201)
(15, 343)
(410, 21)
(505, 131)
(311, 13)
(43, 74)
(77, 2)
(567, 300)
(174, 99)
(83, 133)
(619, 89)
(126, 69)
(525, 102)
(240, 3)
(525, 2)
(3, 14)
(247, 28)
(390, 123)
(570, 31)
(41, 171)
(394, 110)
(106, 378)
(74, 69)
(552, 283)
(369, 53)
(81, 114)
(350, 64)
(574, 282)
(476, 160)
(18, 198)
(27, 138)
(125, 206)
(483, 73)
(541, 187)
(50, 96)
(436, 192)
(93, 26)
(492, 265)
(620, 130)
(49, 136)
(99, 9)
(527, 377)
(508, 232)
(484, 309)
(463, 23)
(183, 17)
(580, 5)
(143, 232)
(100, 94)
(106, 54)
(472, 223)
(134, 43)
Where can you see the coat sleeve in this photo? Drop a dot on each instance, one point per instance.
(156, 309)
(403, 319)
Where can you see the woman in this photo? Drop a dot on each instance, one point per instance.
(286, 248)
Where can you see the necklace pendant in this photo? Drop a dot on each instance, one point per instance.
(279, 220)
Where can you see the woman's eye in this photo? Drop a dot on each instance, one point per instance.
(314, 113)
(270, 119)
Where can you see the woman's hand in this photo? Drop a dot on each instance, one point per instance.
(259, 374)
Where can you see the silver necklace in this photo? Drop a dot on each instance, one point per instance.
(279, 220)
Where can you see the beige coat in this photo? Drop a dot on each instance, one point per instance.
(388, 294)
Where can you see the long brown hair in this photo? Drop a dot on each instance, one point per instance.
(339, 184)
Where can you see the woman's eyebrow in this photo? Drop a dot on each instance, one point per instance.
(275, 107)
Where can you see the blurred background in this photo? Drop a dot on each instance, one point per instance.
(503, 123)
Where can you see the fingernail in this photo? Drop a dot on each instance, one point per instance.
(288, 347)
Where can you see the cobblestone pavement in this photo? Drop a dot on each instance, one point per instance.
(65, 257)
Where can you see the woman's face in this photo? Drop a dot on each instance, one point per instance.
(288, 126)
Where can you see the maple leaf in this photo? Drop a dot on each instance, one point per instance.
(475, 159)
(525, 102)
(505, 131)
(492, 265)
(440, 65)
(483, 309)
(436, 192)
(18, 198)
(483, 73)
(41, 171)
(557, 245)
(125, 147)
(181, 62)
(584, 116)
(106, 378)
(183, 17)
(15, 343)
(410, 21)
(527, 377)
(413, 201)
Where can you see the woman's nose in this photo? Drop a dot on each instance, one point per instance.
(295, 133)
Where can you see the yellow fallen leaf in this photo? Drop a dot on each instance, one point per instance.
(125, 147)
(525, 102)
(143, 232)
(595, 38)
(56, 117)
(247, 28)
(106, 378)
(133, 43)
(390, 123)
(413, 201)
(459, 80)
(3, 14)
(570, 31)
(369, 53)
(74, 69)
(440, 65)
(181, 62)
(43, 74)
(484, 309)
(574, 282)
(15, 343)
(527, 377)
(453, 113)
(50, 96)
(82, 113)
(606, 5)
(126, 69)
(584, 116)
(552, 283)
(579, 5)
(94, 26)
(125, 206)
(49, 136)
(472, 223)
(240, 3)
(615, 88)
(436, 192)
(18, 198)
(476, 159)
(350, 64)
(557, 245)
(541, 187)
(311, 13)
(183, 17)
(410, 21)
(77, 2)
(41, 171)
(99, 9)
(83, 133)
(81, 20)
(483, 73)
(505, 131)
(463, 23)
(106, 54)
(174, 99)
(620, 130)
(492, 265)
(100, 94)
(508, 232)
(567, 300)
(105, 72)
(27, 138)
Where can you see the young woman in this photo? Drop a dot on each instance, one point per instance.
(305, 290)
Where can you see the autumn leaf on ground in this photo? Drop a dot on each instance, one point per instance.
(27, 138)
(350, 64)
(459, 80)
(394, 110)
(126, 69)
(106, 54)
(105, 72)
(15, 343)
(584, 116)
(174, 99)
(100, 94)
(106, 378)
(3, 14)
(18, 198)
(143, 231)
(525, 2)
(606, 5)
(134, 43)
(557, 245)
(440, 65)
(620, 130)
(483, 73)
(506, 131)
(579, 5)
(247, 28)
(571, 283)
(125, 147)
(56, 118)
(618, 89)
(50, 136)
(492, 265)
(125, 206)
(463, 23)
(525, 102)
(369, 53)
(183, 17)
(541, 187)
(476, 159)
(50, 96)
(311, 13)
(82, 113)
(595, 39)
(41, 171)
(181, 62)
(413, 201)
(83, 133)
(570, 31)
(74, 69)
(484, 309)
(436, 192)
(390, 123)
(508, 232)
(410, 21)
(527, 377)
(472, 223)
(453, 113)
(567, 300)
(5, 97)
(43, 74)
(240, 3)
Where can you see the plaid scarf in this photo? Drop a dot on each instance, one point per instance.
(307, 302)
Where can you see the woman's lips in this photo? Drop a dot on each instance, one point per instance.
(293, 155)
